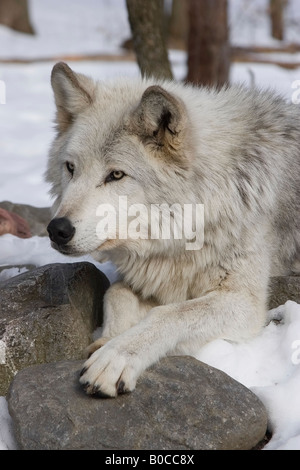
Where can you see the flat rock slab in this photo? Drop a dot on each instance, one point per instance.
(180, 403)
(47, 315)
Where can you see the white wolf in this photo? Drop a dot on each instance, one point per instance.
(235, 151)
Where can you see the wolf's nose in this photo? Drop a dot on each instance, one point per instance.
(60, 230)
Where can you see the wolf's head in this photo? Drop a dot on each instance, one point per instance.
(117, 147)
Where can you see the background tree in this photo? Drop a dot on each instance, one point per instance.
(208, 45)
(277, 18)
(146, 20)
(178, 26)
(14, 14)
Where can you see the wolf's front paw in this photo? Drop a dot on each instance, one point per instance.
(109, 371)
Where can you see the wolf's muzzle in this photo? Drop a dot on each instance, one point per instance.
(61, 231)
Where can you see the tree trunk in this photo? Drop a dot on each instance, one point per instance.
(178, 24)
(146, 20)
(14, 14)
(208, 45)
(277, 18)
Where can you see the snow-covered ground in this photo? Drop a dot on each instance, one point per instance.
(269, 365)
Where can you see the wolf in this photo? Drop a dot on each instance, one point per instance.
(235, 150)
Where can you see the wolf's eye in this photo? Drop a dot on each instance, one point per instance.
(114, 176)
(70, 167)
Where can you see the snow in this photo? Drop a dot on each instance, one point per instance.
(269, 364)
(249, 23)
(69, 27)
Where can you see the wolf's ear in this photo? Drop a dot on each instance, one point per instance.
(73, 92)
(161, 119)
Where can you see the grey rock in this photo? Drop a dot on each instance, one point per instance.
(282, 289)
(37, 217)
(179, 403)
(48, 314)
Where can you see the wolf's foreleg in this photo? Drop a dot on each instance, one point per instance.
(122, 309)
(172, 329)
